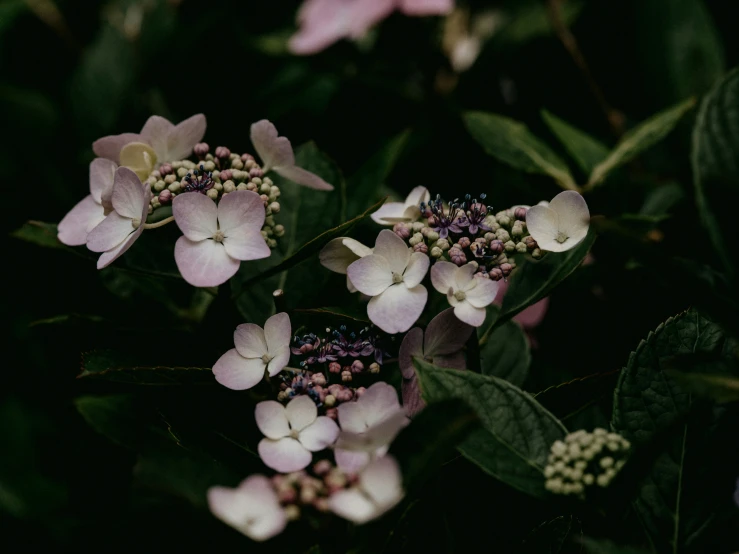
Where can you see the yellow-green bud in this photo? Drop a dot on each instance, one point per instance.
(229, 186)
(212, 194)
(279, 230)
(174, 187)
(275, 207)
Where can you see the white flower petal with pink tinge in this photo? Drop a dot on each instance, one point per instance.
(394, 249)
(379, 401)
(426, 7)
(205, 263)
(111, 232)
(350, 461)
(78, 223)
(482, 293)
(284, 455)
(272, 419)
(110, 147)
(395, 212)
(235, 372)
(302, 177)
(301, 411)
(443, 276)
(378, 435)
(279, 361)
(196, 215)
(173, 142)
(247, 246)
(370, 275)
(107, 258)
(241, 213)
(320, 434)
(416, 271)
(250, 341)
(561, 225)
(130, 197)
(470, 315)
(277, 333)
(352, 417)
(340, 253)
(397, 308)
(102, 176)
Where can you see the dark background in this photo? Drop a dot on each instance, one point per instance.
(71, 76)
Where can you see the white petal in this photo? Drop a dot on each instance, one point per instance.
(204, 263)
(482, 293)
(543, 224)
(266, 525)
(445, 334)
(394, 249)
(277, 332)
(302, 177)
(156, 132)
(379, 435)
(411, 213)
(241, 213)
(250, 341)
(351, 504)
(336, 256)
(110, 147)
(183, 138)
(350, 461)
(394, 210)
(273, 150)
(383, 482)
(107, 258)
(320, 434)
(246, 247)
(235, 372)
(378, 402)
(443, 276)
(463, 276)
(416, 196)
(102, 175)
(411, 346)
(279, 361)
(417, 268)
(272, 419)
(284, 455)
(352, 417)
(301, 412)
(128, 193)
(109, 233)
(357, 247)
(412, 401)
(80, 220)
(572, 210)
(196, 215)
(467, 313)
(397, 308)
(371, 275)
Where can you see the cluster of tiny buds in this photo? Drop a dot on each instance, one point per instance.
(216, 176)
(585, 460)
(310, 488)
(316, 386)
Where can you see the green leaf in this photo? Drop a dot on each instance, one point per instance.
(530, 20)
(117, 417)
(517, 431)
(660, 200)
(42, 234)
(511, 142)
(109, 365)
(567, 399)
(676, 500)
(720, 388)
(506, 353)
(9, 12)
(593, 546)
(552, 536)
(334, 313)
(642, 137)
(716, 165)
(586, 151)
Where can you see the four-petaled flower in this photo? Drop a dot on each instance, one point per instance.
(217, 238)
(469, 295)
(253, 508)
(91, 210)
(292, 433)
(561, 225)
(378, 489)
(398, 212)
(440, 345)
(121, 227)
(340, 253)
(277, 155)
(392, 276)
(256, 350)
(368, 426)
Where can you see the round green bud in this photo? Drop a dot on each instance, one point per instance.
(432, 236)
(242, 186)
(269, 221)
(272, 243)
(275, 207)
(417, 226)
(521, 247)
(436, 252)
(181, 172)
(264, 188)
(237, 164)
(502, 235)
(279, 230)
(159, 186)
(212, 194)
(169, 179)
(176, 164)
(229, 186)
(510, 246)
(273, 191)
(218, 187)
(415, 239)
(209, 166)
(174, 187)
(187, 164)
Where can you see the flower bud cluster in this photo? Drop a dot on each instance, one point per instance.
(585, 460)
(216, 176)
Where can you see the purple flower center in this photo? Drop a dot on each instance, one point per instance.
(199, 181)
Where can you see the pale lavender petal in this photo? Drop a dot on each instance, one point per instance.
(383, 482)
(445, 334)
(320, 434)
(109, 233)
(370, 275)
(252, 508)
(397, 308)
(204, 263)
(426, 7)
(110, 147)
(394, 210)
(183, 138)
(394, 249)
(241, 213)
(107, 258)
(128, 198)
(301, 411)
(272, 150)
(247, 246)
(417, 268)
(235, 372)
(483, 293)
(323, 22)
(451, 361)
(533, 315)
(272, 419)
(353, 505)
(156, 132)
(279, 361)
(379, 435)
(412, 346)
(350, 461)
(574, 216)
(412, 401)
(102, 175)
(416, 196)
(284, 455)
(379, 401)
(250, 341)
(352, 417)
(543, 224)
(302, 177)
(442, 276)
(277, 332)
(463, 276)
(467, 313)
(80, 220)
(196, 215)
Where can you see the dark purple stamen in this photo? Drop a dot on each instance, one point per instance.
(199, 181)
(475, 214)
(444, 221)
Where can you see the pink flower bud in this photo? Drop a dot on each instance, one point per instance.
(322, 467)
(495, 274)
(255, 172)
(464, 242)
(401, 230)
(318, 379)
(246, 157)
(165, 169)
(506, 269)
(201, 149)
(165, 197)
(333, 413)
(520, 213)
(357, 366)
(334, 367)
(222, 152)
(287, 496)
(359, 392)
(496, 246)
(346, 376)
(226, 174)
(457, 256)
(421, 247)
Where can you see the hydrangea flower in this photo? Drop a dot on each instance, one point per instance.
(90, 211)
(368, 426)
(469, 295)
(400, 212)
(277, 155)
(217, 238)
(441, 345)
(257, 351)
(561, 225)
(323, 22)
(378, 489)
(340, 253)
(292, 433)
(392, 276)
(530, 318)
(121, 227)
(253, 508)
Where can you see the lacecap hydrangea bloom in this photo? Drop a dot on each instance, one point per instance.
(561, 225)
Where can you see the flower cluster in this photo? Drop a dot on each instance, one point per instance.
(585, 460)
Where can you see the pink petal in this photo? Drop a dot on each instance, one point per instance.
(382, 482)
(426, 7)
(533, 315)
(370, 275)
(463, 276)
(272, 419)
(301, 412)
(397, 308)
(445, 334)
(183, 138)
(411, 346)
(250, 341)
(156, 132)
(111, 232)
(196, 215)
(110, 147)
(284, 455)
(277, 332)
(352, 417)
(129, 198)
(320, 434)
(366, 14)
(467, 313)
(241, 213)
(353, 505)
(394, 249)
(375, 437)
(322, 22)
(302, 177)
(412, 401)
(350, 461)
(443, 276)
(107, 258)
(80, 220)
(236, 372)
(279, 361)
(483, 293)
(247, 246)
(272, 150)
(417, 268)
(102, 175)
(204, 263)
(378, 402)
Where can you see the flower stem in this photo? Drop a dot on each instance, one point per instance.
(161, 223)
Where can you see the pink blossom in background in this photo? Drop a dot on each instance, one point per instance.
(531, 317)
(323, 22)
